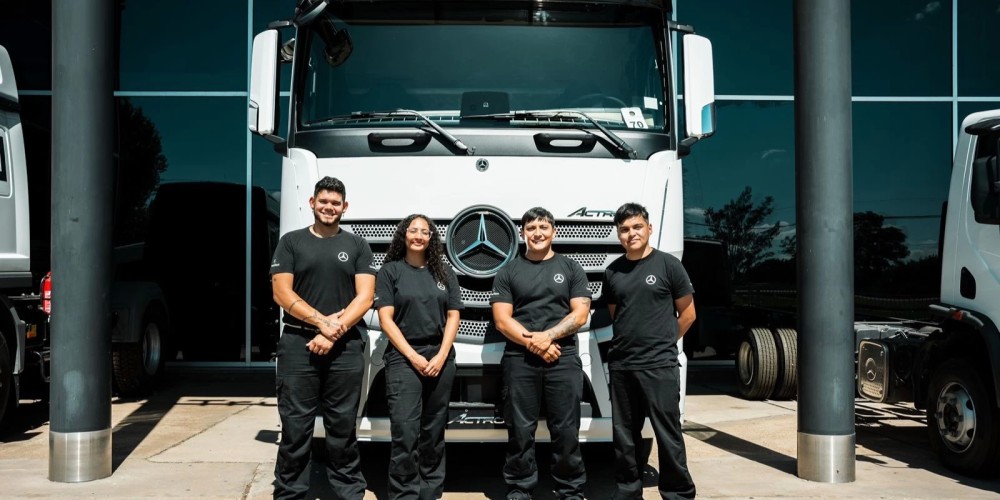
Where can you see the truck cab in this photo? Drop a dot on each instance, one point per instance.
(951, 368)
(24, 353)
(472, 113)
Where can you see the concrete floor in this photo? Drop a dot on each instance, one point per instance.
(212, 434)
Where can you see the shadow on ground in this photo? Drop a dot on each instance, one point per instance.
(477, 468)
(899, 432)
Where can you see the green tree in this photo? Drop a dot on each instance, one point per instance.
(877, 247)
(140, 163)
(740, 224)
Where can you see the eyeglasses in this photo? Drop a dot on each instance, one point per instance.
(421, 232)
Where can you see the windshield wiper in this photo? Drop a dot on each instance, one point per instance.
(427, 121)
(619, 143)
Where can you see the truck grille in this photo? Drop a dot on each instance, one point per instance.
(472, 332)
(592, 244)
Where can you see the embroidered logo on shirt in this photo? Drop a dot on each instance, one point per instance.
(440, 286)
(650, 280)
(274, 263)
(558, 278)
(342, 256)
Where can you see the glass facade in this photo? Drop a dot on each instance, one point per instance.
(918, 68)
(183, 149)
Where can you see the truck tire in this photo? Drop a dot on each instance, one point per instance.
(138, 367)
(757, 364)
(787, 384)
(6, 378)
(962, 420)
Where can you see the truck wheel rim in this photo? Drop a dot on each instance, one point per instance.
(151, 348)
(955, 415)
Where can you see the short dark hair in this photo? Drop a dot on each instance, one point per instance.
(629, 210)
(537, 213)
(330, 184)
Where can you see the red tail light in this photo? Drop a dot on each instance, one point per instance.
(47, 293)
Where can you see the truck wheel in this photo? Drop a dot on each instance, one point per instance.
(137, 367)
(757, 364)
(787, 384)
(962, 421)
(6, 378)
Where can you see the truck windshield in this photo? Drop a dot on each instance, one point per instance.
(452, 60)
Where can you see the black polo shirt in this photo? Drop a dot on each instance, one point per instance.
(323, 269)
(645, 323)
(540, 292)
(420, 302)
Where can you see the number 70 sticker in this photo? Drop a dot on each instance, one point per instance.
(633, 118)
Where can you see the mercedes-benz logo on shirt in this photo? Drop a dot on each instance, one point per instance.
(558, 278)
(650, 280)
(440, 285)
(342, 256)
(480, 240)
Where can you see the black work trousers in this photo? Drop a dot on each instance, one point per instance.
(636, 394)
(330, 384)
(418, 415)
(527, 380)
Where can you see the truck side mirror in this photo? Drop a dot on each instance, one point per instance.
(699, 87)
(262, 107)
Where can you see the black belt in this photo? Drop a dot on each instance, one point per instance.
(302, 328)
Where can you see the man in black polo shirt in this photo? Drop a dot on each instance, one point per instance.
(650, 298)
(324, 280)
(539, 302)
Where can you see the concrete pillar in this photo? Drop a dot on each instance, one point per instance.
(82, 194)
(824, 212)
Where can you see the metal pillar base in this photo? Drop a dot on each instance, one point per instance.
(76, 457)
(826, 459)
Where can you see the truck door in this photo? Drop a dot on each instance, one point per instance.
(13, 241)
(14, 233)
(979, 271)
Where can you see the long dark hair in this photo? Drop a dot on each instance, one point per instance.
(435, 250)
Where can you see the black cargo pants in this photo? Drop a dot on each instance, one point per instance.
(418, 415)
(527, 380)
(634, 395)
(330, 384)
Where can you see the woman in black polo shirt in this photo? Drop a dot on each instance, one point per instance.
(418, 299)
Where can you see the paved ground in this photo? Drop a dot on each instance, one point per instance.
(211, 434)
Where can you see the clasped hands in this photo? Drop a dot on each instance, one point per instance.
(330, 330)
(428, 367)
(542, 345)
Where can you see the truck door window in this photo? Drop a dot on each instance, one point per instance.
(985, 195)
(3, 157)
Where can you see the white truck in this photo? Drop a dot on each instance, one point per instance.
(949, 368)
(471, 113)
(24, 350)
(140, 334)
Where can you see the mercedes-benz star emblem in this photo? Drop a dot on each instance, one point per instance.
(482, 164)
(342, 256)
(558, 278)
(480, 240)
(650, 280)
